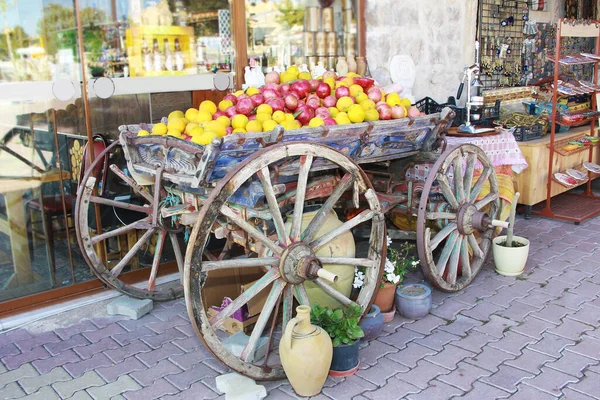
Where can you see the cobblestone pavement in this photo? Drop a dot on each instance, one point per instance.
(532, 337)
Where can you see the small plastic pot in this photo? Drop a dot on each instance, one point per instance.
(372, 324)
(413, 300)
(510, 261)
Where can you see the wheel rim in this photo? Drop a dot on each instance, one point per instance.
(454, 233)
(282, 251)
(145, 229)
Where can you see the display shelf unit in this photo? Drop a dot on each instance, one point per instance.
(571, 207)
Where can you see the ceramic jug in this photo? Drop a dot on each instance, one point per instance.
(305, 351)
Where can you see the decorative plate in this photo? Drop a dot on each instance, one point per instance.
(580, 176)
(595, 168)
(565, 179)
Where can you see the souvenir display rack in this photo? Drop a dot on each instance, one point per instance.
(572, 207)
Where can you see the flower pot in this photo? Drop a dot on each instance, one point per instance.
(389, 316)
(510, 261)
(345, 360)
(385, 297)
(372, 324)
(413, 300)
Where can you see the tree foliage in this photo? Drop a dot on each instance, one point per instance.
(290, 15)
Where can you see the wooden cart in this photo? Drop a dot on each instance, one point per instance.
(250, 191)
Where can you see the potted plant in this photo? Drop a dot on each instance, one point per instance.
(413, 300)
(342, 326)
(510, 252)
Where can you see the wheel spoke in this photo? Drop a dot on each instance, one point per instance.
(288, 304)
(475, 246)
(265, 314)
(265, 179)
(178, 255)
(485, 174)
(364, 216)
(118, 204)
(452, 272)
(250, 229)
(458, 178)
(441, 215)
(465, 263)
(243, 298)
(441, 235)
(486, 200)
(301, 295)
(447, 190)
(239, 263)
(139, 189)
(209, 257)
(468, 181)
(446, 252)
(332, 292)
(358, 262)
(132, 252)
(156, 260)
(142, 224)
(317, 221)
(155, 204)
(305, 164)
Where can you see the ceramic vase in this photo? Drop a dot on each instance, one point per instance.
(361, 66)
(341, 68)
(413, 300)
(306, 352)
(352, 65)
(510, 261)
(385, 297)
(372, 323)
(345, 360)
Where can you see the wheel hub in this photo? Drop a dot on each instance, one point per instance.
(469, 219)
(299, 263)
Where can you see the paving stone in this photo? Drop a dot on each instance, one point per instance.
(473, 295)
(184, 380)
(587, 289)
(68, 388)
(46, 365)
(551, 344)
(9, 350)
(572, 301)
(81, 395)
(422, 374)
(157, 341)
(153, 357)
(393, 326)
(449, 309)
(538, 299)
(530, 361)
(73, 341)
(450, 356)
(121, 353)
(507, 378)
(147, 376)
(552, 313)
(133, 324)
(551, 381)
(109, 330)
(571, 394)
(16, 335)
(532, 327)
(162, 326)
(401, 338)
(413, 353)
(489, 358)
(188, 360)
(45, 393)
(112, 372)
(425, 325)
(506, 296)
(474, 341)
(77, 369)
(436, 390)
(15, 361)
(382, 371)
(587, 314)
(24, 371)
(374, 351)
(200, 391)
(571, 363)
(33, 384)
(350, 387)
(237, 342)
(460, 326)
(570, 329)
(482, 311)
(589, 385)
(496, 326)
(83, 326)
(35, 341)
(88, 351)
(524, 285)
(158, 390)
(103, 322)
(587, 346)
(518, 311)
(572, 256)
(437, 340)
(556, 265)
(129, 307)
(11, 391)
(120, 386)
(464, 376)
(484, 391)
(556, 287)
(526, 392)
(188, 344)
(512, 343)
(128, 337)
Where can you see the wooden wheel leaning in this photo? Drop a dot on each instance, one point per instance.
(290, 259)
(454, 222)
(147, 222)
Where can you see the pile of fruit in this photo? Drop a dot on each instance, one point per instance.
(291, 99)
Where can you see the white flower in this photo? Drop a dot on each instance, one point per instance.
(359, 279)
(392, 278)
(415, 263)
(388, 240)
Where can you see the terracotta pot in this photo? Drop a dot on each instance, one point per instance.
(306, 352)
(385, 297)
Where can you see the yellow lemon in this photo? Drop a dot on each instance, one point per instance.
(239, 130)
(330, 81)
(316, 121)
(176, 114)
(239, 121)
(355, 90)
(349, 81)
(290, 125)
(173, 133)
(371, 115)
(196, 131)
(159, 129)
(177, 124)
(185, 120)
(224, 120)
(333, 112)
(252, 91)
(289, 117)
(340, 83)
(203, 116)
(367, 104)
(225, 104)
(356, 113)
(278, 116)
(342, 119)
(204, 138)
(286, 77)
(393, 99)
(351, 74)
(189, 127)
(208, 106)
(254, 126)
(304, 75)
(190, 114)
(216, 127)
(269, 125)
(236, 94)
(344, 103)
(405, 103)
(296, 124)
(293, 70)
(143, 132)
(265, 108)
(262, 117)
(361, 97)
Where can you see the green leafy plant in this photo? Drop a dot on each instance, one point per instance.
(341, 325)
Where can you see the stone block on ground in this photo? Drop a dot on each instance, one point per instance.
(239, 387)
(238, 341)
(129, 307)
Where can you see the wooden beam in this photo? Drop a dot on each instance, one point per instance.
(240, 39)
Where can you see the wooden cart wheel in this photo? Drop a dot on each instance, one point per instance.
(454, 221)
(290, 259)
(146, 223)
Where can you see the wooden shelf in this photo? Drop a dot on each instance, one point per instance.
(560, 144)
(570, 59)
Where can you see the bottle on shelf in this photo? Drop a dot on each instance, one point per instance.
(146, 56)
(168, 56)
(157, 57)
(341, 67)
(179, 64)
